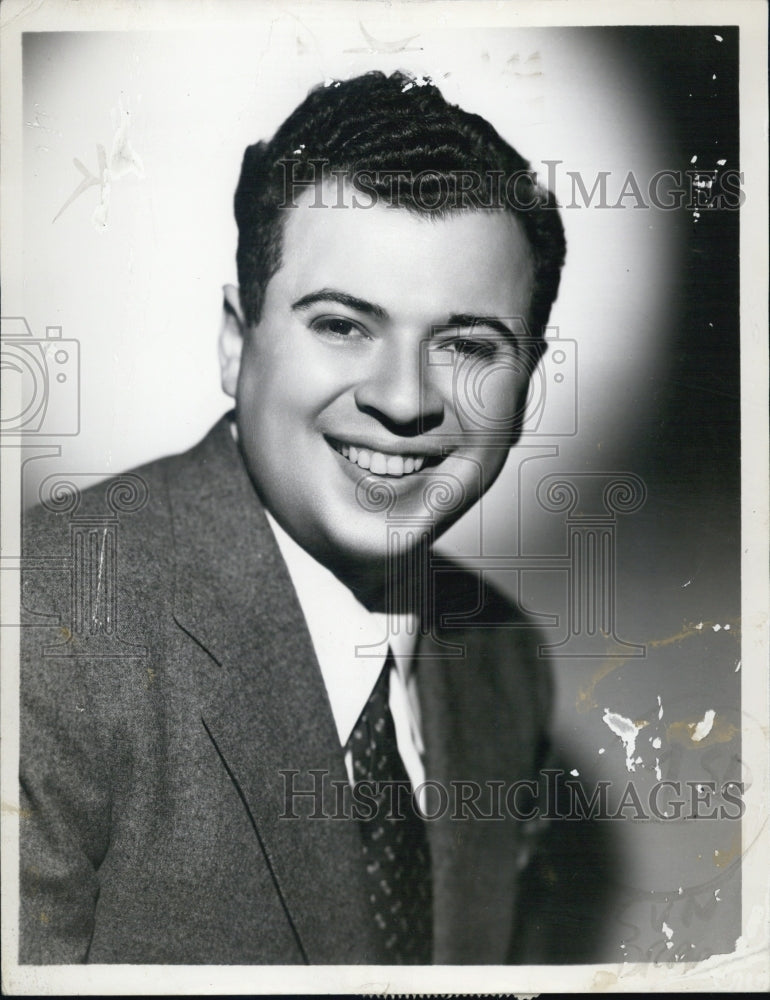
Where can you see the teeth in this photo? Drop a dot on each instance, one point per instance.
(379, 463)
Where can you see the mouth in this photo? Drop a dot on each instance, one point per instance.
(381, 464)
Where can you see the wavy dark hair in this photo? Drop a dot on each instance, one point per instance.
(397, 139)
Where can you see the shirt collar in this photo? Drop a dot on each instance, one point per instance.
(350, 642)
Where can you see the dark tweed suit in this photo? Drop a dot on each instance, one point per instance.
(151, 793)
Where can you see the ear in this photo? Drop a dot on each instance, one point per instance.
(231, 337)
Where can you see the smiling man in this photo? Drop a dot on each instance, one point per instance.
(218, 767)
(340, 381)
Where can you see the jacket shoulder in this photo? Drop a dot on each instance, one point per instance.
(136, 502)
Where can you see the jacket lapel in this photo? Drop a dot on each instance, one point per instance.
(267, 711)
(468, 737)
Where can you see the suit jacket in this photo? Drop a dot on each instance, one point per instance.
(159, 713)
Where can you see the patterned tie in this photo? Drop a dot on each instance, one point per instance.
(395, 847)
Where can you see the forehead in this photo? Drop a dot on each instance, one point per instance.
(468, 261)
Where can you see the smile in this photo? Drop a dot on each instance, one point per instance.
(379, 463)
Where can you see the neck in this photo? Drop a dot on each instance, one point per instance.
(396, 585)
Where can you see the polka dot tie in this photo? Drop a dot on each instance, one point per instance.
(394, 844)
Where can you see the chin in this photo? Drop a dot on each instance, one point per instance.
(358, 548)
(359, 545)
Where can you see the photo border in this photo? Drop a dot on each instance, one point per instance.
(748, 968)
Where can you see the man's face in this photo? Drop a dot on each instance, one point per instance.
(384, 378)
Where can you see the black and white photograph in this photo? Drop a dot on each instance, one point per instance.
(385, 497)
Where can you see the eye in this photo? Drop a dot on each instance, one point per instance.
(337, 328)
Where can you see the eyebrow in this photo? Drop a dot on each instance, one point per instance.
(343, 299)
(380, 313)
(468, 319)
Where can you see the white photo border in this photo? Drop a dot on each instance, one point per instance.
(748, 968)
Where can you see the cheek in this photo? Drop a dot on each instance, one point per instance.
(295, 377)
(489, 396)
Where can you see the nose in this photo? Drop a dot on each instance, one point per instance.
(399, 390)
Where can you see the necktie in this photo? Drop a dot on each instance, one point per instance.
(394, 844)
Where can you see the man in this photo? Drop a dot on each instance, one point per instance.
(205, 754)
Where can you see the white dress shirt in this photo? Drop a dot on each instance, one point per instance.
(341, 629)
